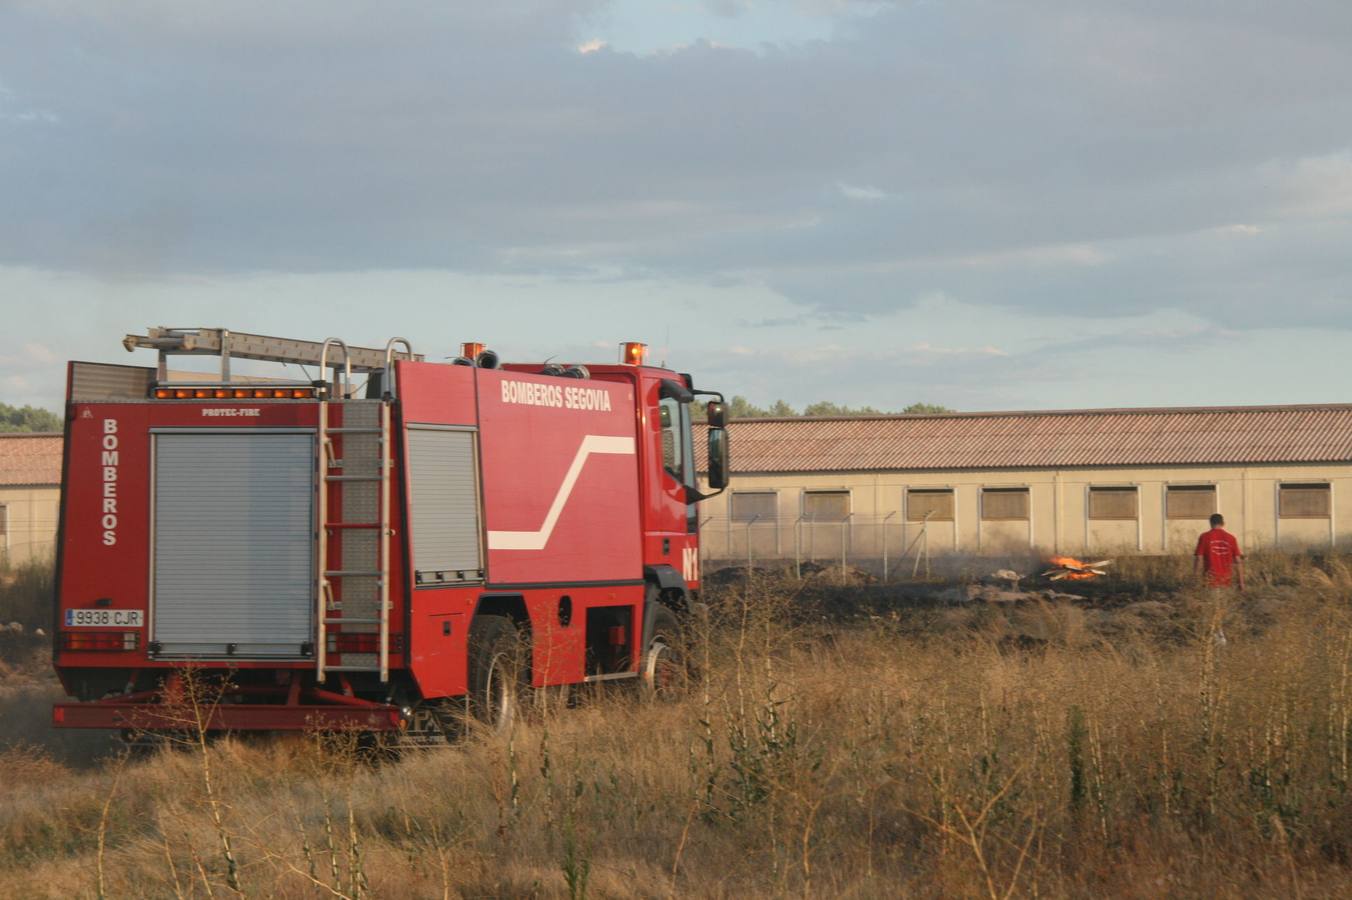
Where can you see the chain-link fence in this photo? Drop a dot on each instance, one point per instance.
(887, 545)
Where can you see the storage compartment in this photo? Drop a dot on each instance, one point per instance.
(444, 505)
(610, 632)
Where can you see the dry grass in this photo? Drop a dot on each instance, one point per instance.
(26, 593)
(1181, 746)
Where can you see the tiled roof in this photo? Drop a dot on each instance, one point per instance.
(30, 459)
(1048, 439)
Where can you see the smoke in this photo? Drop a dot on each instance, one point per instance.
(28, 688)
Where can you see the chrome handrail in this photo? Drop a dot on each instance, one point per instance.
(389, 362)
(347, 365)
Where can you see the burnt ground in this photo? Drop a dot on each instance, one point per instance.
(1150, 604)
(859, 592)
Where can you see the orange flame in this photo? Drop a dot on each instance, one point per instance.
(1071, 563)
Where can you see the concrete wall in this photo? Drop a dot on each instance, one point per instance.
(1058, 513)
(30, 523)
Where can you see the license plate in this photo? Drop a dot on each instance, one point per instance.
(104, 618)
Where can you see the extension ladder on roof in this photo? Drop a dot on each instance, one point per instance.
(229, 344)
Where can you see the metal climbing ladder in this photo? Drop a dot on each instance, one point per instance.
(354, 464)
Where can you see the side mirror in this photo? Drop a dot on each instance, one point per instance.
(717, 414)
(718, 453)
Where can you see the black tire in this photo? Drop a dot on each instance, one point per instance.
(498, 672)
(663, 671)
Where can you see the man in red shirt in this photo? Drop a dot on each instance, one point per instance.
(1219, 557)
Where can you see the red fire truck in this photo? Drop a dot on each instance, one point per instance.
(340, 555)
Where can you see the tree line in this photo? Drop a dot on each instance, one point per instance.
(28, 419)
(741, 408)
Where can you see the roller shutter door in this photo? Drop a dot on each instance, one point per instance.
(444, 505)
(234, 544)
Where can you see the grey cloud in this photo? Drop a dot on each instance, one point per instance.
(734, 8)
(322, 136)
(886, 379)
(774, 322)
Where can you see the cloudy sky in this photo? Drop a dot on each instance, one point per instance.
(990, 205)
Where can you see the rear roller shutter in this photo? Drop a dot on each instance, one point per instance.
(234, 544)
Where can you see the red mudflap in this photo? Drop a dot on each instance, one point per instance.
(227, 717)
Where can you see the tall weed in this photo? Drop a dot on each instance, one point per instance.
(1179, 745)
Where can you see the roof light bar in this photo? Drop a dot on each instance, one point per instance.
(224, 393)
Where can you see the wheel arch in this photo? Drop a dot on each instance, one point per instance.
(511, 606)
(670, 588)
(664, 584)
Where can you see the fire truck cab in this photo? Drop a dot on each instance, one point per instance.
(339, 554)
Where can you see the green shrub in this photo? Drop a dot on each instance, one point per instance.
(27, 594)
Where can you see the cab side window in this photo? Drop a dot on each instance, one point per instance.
(669, 412)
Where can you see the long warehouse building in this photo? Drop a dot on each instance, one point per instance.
(1079, 481)
(30, 494)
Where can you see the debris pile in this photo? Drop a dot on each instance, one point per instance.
(1001, 586)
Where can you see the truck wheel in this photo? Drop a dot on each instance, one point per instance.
(497, 672)
(664, 669)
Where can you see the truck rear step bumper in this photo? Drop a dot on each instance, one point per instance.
(115, 713)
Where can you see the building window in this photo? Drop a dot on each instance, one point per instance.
(826, 506)
(1189, 501)
(1113, 503)
(4, 526)
(1304, 501)
(935, 504)
(754, 506)
(1004, 504)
